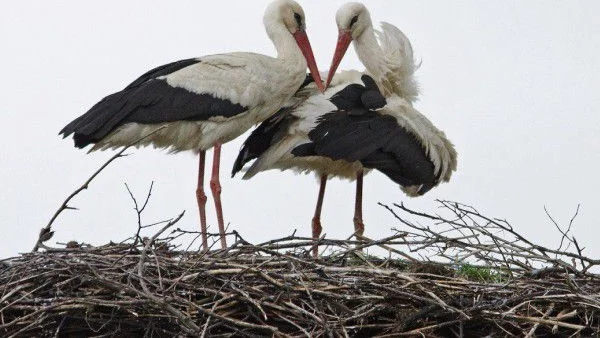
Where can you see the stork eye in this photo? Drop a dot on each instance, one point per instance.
(298, 19)
(353, 21)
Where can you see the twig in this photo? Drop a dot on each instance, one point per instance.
(46, 232)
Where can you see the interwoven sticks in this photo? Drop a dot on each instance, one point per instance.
(150, 287)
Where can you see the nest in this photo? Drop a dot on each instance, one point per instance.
(457, 274)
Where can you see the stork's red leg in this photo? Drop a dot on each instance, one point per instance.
(215, 186)
(201, 198)
(316, 221)
(359, 227)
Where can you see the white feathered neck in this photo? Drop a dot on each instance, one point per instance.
(388, 58)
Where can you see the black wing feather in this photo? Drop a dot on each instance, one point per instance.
(371, 98)
(348, 97)
(148, 100)
(269, 132)
(163, 70)
(377, 142)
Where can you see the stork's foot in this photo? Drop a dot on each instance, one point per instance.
(316, 234)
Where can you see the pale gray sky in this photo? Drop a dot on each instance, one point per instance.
(513, 84)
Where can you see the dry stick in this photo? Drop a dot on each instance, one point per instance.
(420, 331)
(147, 246)
(564, 234)
(574, 241)
(341, 293)
(442, 303)
(450, 205)
(189, 326)
(545, 315)
(291, 322)
(459, 212)
(45, 232)
(564, 315)
(185, 320)
(252, 301)
(205, 311)
(312, 300)
(544, 321)
(139, 211)
(516, 249)
(507, 227)
(24, 296)
(205, 328)
(380, 244)
(239, 323)
(62, 322)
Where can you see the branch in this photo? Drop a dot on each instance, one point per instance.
(46, 233)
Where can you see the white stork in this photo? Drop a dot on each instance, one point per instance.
(354, 127)
(196, 104)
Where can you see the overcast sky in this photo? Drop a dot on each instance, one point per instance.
(515, 85)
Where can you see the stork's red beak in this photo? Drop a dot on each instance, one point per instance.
(304, 44)
(344, 39)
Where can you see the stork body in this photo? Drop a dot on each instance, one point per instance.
(196, 104)
(364, 121)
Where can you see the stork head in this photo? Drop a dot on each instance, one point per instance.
(289, 14)
(352, 19)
